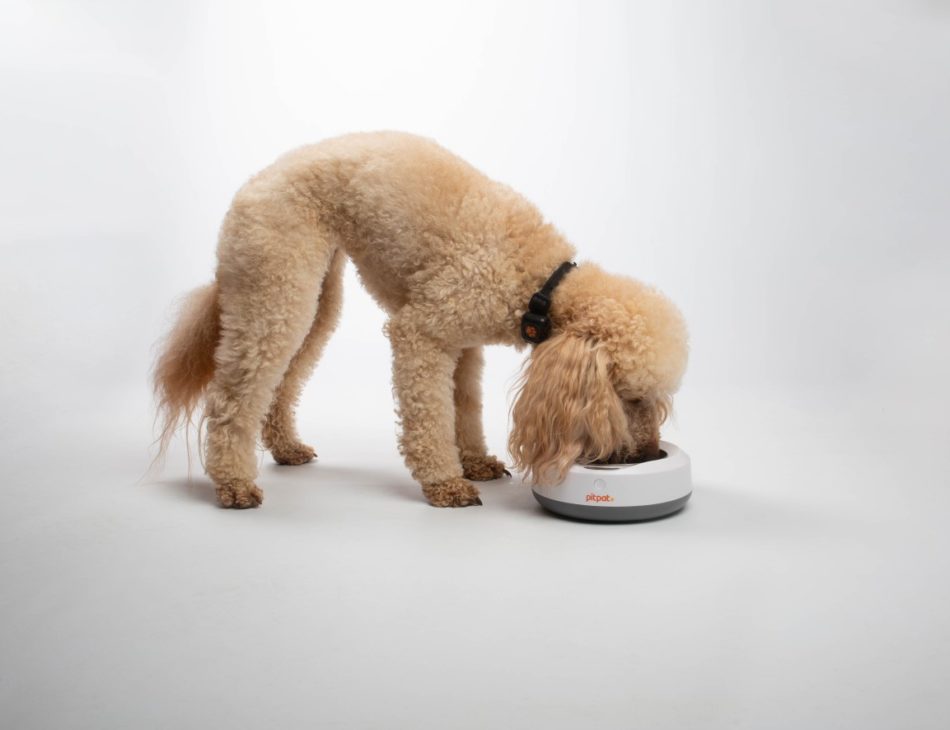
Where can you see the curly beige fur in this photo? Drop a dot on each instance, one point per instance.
(453, 258)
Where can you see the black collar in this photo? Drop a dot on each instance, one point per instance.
(535, 324)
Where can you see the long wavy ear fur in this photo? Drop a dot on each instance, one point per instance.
(566, 409)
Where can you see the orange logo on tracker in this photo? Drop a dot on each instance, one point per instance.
(599, 497)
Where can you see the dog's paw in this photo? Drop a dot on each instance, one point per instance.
(483, 468)
(455, 492)
(239, 494)
(293, 454)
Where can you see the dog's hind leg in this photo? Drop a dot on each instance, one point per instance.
(477, 464)
(269, 282)
(280, 430)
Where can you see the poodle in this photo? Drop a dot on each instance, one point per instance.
(457, 261)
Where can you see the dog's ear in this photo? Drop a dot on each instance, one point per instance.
(644, 418)
(566, 409)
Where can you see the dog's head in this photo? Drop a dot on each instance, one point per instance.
(602, 385)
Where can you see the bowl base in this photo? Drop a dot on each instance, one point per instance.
(591, 513)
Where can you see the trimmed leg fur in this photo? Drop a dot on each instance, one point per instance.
(477, 464)
(268, 304)
(280, 431)
(423, 383)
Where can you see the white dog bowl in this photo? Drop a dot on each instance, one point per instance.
(622, 492)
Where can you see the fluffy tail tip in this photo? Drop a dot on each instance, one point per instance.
(185, 363)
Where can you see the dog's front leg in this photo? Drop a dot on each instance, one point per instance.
(477, 463)
(422, 380)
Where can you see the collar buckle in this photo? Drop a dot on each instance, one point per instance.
(535, 323)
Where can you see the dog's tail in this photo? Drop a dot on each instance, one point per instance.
(185, 362)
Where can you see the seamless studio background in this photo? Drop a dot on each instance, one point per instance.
(780, 169)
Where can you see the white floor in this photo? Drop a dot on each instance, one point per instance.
(806, 585)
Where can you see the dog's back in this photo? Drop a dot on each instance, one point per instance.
(395, 202)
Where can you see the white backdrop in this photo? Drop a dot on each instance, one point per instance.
(780, 169)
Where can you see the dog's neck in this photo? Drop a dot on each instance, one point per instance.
(536, 258)
(536, 323)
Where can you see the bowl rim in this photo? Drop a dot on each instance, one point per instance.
(673, 460)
